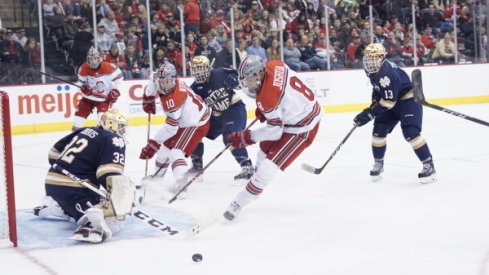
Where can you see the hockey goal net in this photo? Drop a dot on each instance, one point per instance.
(8, 231)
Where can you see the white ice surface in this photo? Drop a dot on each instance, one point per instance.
(338, 222)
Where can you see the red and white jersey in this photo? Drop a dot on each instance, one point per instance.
(183, 109)
(101, 81)
(287, 103)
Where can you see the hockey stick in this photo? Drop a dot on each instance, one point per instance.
(146, 218)
(73, 84)
(143, 183)
(60, 79)
(317, 171)
(420, 99)
(205, 167)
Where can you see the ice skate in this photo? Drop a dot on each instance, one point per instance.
(197, 167)
(87, 233)
(247, 171)
(427, 175)
(232, 211)
(179, 184)
(377, 170)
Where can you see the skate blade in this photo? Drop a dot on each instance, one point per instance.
(428, 179)
(93, 238)
(376, 178)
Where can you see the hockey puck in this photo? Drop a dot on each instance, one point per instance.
(197, 257)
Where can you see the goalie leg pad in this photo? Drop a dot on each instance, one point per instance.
(50, 209)
(121, 193)
(92, 227)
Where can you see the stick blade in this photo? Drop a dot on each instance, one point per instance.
(418, 86)
(310, 169)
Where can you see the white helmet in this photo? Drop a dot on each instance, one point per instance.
(373, 58)
(200, 68)
(113, 120)
(166, 77)
(251, 73)
(93, 58)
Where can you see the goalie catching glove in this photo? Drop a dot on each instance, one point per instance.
(150, 149)
(240, 139)
(102, 220)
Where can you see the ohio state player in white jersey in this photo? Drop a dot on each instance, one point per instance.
(187, 122)
(99, 82)
(292, 114)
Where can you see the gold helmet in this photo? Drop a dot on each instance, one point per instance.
(373, 58)
(200, 68)
(113, 120)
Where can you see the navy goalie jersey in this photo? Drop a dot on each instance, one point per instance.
(92, 154)
(218, 92)
(390, 84)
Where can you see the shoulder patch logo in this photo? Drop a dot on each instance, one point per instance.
(385, 81)
(118, 142)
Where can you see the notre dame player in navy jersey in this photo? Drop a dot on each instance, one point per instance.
(393, 102)
(97, 156)
(216, 87)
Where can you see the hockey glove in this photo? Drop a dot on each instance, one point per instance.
(231, 81)
(86, 90)
(150, 149)
(113, 95)
(240, 139)
(149, 106)
(259, 115)
(363, 117)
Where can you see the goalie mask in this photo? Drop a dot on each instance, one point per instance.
(200, 68)
(166, 78)
(113, 120)
(251, 73)
(373, 58)
(93, 58)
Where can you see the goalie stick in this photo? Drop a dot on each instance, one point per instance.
(146, 218)
(317, 171)
(420, 99)
(205, 167)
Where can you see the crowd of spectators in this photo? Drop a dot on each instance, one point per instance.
(122, 36)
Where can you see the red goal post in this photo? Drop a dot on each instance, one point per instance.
(8, 228)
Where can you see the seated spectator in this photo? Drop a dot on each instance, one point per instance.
(20, 37)
(172, 52)
(351, 49)
(274, 52)
(224, 59)
(117, 58)
(256, 49)
(110, 24)
(292, 57)
(132, 60)
(428, 38)
(13, 50)
(241, 49)
(308, 55)
(445, 50)
(205, 49)
(70, 29)
(33, 52)
(104, 41)
(56, 23)
(394, 50)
